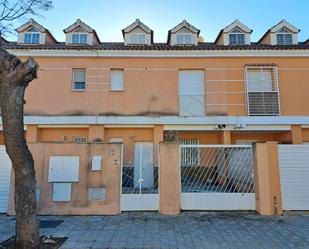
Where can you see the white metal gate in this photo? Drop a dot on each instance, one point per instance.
(217, 177)
(5, 176)
(294, 176)
(139, 183)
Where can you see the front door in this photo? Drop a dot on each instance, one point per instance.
(140, 182)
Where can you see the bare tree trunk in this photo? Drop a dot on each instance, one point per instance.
(14, 78)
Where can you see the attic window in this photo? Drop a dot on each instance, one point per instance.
(236, 37)
(284, 37)
(79, 38)
(138, 38)
(185, 38)
(32, 38)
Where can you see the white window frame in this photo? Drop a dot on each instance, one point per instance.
(181, 39)
(284, 35)
(276, 84)
(31, 37)
(73, 80)
(138, 38)
(237, 38)
(116, 73)
(79, 34)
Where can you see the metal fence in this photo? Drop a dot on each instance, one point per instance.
(140, 168)
(216, 168)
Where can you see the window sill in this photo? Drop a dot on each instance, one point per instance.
(78, 90)
(114, 90)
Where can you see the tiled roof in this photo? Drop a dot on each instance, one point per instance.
(2, 40)
(156, 47)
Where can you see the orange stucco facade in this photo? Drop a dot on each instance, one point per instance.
(63, 121)
(151, 86)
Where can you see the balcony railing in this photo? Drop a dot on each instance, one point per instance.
(229, 103)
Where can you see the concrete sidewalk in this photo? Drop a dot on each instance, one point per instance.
(219, 230)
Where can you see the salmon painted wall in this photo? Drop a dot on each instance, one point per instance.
(108, 177)
(130, 136)
(151, 86)
(204, 137)
(56, 134)
(209, 137)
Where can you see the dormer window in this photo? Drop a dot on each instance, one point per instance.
(284, 37)
(79, 38)
(235, 33)
(138, 38)
(137, 33)
(183, 34)
(32, 38)
(282, 33)
(33, 33)
(184, 39)
(236, 37)
(80, 33)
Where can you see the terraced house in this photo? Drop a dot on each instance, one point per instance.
(101, 116)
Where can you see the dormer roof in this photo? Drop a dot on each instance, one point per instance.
(33, 24)
(278, 26)
(235, 24)
(138, 24)
(3, 40)
(80, 24)
(238, 24)
(183, 24)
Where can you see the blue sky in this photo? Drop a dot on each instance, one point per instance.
(108, 17)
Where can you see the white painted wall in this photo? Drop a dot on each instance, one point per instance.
(5, 177)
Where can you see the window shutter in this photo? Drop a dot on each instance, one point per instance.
(79, 75)
(117, 79)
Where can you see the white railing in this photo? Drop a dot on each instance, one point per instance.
(136, 177)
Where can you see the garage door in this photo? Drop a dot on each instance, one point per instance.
(294, 175)
(5, 175)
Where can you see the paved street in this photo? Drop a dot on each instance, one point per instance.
(188, 230)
